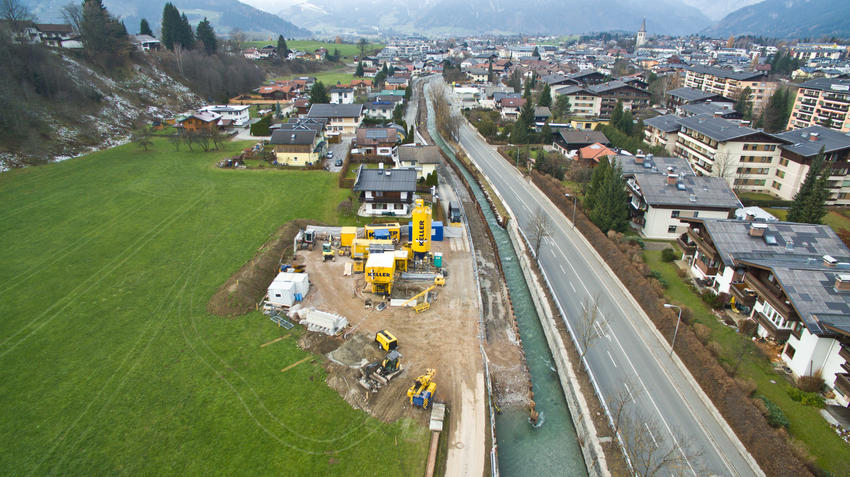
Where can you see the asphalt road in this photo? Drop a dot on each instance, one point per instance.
(628, 361)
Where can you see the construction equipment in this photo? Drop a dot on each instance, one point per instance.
(439, 281)
(380, 271)
(386, 340)
(454, 213)
(327, 252)
(424, 306)
(421, 394)
(420, 233)
(375, 375)
(416, 297)
(307, 238)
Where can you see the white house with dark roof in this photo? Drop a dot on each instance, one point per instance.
(796, 158)
(344, 118)
(387, 192)
(794, 281)
(342, 95)
(664, 189)
(422, 158)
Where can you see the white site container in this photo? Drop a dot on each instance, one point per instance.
(301, 281)
(282, 293)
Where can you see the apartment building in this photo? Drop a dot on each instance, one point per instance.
(792, 279)
(599, 100)
(796, 157)
(730, 84)
(747, 158)
(823, 102)
(662, 131)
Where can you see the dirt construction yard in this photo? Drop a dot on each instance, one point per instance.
(445, 338)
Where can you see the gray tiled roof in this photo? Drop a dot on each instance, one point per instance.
(711, 108)
(335, 110)
(386, 180)
(293, 137)
(653, 164)
(667, 123)
(691, 94)
(725, 73)
(716, 128)
(420, 154)
(828, 139)
(583, 136)
(826, 84)
(812, 293)
(691, 191)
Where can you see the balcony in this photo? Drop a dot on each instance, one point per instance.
(778, 334)
(743, 295)
(844, 352)
(770, 293)
(703, 246)
(842, 383)
(688, 247)
(707, 270)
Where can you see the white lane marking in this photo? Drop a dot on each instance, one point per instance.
(650, 434)
(612, 359)
(631, 396)
(571, 286)
(564, 271)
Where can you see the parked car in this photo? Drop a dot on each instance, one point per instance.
(330, 154)
(338, 162)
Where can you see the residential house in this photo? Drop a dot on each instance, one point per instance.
(664, 189)
(238, 115)
(343, 118)
(594, 153)
(376, 141)
(342, 95)
(542, 114)
(662, 131)
(745, 157)
(681, 96)
(379, 110)
(509, 108)
(801, 148)
(730, 83)
(792, 279)
(478, 75)
(386, 191)
(599, 100)
(396, 83)
(422, 158)
(822, 102)
(55, 34)
(568, 140)
(717, 109)
(199, 122)
(145, 42)
(297, 147)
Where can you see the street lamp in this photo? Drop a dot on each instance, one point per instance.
(575, 204)
(678, 320)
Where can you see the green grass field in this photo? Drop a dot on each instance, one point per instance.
(109, 361)
(328, 78)
(347, 50)
(807, 425)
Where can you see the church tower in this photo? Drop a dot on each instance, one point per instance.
(641, 35)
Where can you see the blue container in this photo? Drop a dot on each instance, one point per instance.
(382, 234)
(437, 231)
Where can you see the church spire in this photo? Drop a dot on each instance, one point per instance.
(643, 25)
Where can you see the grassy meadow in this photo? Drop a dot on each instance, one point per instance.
(109, 361)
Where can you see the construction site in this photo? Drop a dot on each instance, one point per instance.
(395, 310)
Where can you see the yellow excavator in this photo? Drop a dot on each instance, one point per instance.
(327, 252)
(375, 375)
(421, 394)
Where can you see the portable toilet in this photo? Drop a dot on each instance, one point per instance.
(347, 236)
(438, 259)
(437, 231)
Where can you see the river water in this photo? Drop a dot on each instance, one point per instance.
(551, 447)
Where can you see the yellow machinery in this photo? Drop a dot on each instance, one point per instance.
(358, 264)
(347, 236)
(360, 247)
(327, 252)
(424, 306)
(420, 229)
(393, 231)
(416, 297)
(421, 394)
(386, 340)
(440, 281)
(401, 257)
(375, 375)
(380, 271)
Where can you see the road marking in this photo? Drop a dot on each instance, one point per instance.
(612, 358)
(562, 269)
(629, 391)
(571, 286)
(650, 434)
(599, 329)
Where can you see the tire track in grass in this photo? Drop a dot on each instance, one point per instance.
(64, 252)
(96, 277)
(132, 353)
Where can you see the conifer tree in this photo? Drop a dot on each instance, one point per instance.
(144, 28)
(282, 49)
(206, 35)
(810, 201)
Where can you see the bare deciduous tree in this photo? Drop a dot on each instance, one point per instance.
(73, 14)
(16, 13)
(539, 231)
(142, 138)
(649, 453)
(586, 334)
(447, 121)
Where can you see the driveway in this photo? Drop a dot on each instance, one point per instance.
(340, 150)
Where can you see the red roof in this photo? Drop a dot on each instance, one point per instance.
(512, 102)
(595, 151)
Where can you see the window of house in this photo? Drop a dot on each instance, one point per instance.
(671, 229)
(776, 185)
(674, 214)
(696, 213)
(789, 351)
(399, 206)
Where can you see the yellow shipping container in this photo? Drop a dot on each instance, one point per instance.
(347, 236)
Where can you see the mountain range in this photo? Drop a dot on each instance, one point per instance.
(787, 19)
(555, 17)
(225, 15)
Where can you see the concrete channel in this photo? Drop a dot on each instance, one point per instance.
(551, 447)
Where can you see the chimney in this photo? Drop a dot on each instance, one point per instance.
(813, 136)
(757, 230)
(672, 179)
(842, 282)
(829, 261)
(750, 217)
